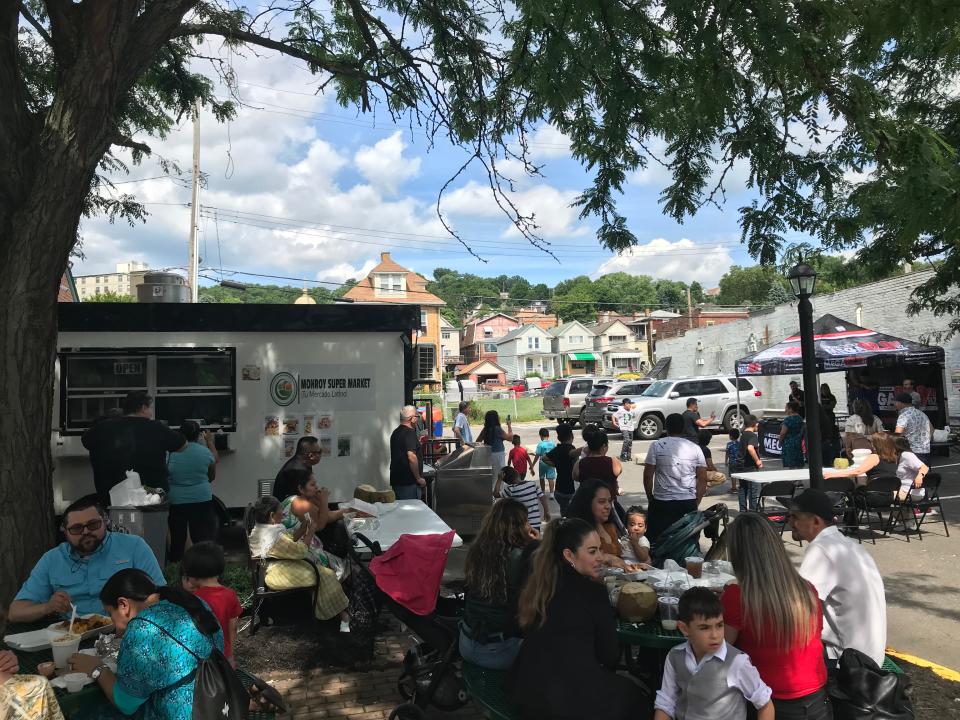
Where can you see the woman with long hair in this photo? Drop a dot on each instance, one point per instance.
(497, 564)
(566, 666)
(774, 616)
(166, 633)
(882, 460)
(593, 503)
(860, 426)
(791, 436)
(493, 436)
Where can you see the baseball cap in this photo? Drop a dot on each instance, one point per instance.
(905, 398)
(815, 502)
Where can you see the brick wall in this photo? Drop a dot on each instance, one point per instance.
(883, 308)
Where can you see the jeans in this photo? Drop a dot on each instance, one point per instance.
(201, 520)
(497, 655)
(626, 452)
(406, 492)
(749, 495)
(815, 706)
(563, 500)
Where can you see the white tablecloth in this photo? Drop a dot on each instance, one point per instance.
(768, 476)
(411, 517)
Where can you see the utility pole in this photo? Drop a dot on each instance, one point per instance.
(193, 267)
(689, 309)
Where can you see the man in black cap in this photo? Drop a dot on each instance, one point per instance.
(846, 579)
(914, 426)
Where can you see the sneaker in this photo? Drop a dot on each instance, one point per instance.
(344, 626)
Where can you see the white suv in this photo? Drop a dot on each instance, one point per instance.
(714, 393)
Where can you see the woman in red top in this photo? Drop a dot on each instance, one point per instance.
(774, 616)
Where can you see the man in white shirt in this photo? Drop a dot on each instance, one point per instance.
(674, 478)
(846, 579)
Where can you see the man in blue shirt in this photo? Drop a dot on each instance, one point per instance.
(76, 571)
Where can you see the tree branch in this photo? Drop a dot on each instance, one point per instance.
(129, 142)
(41, 30)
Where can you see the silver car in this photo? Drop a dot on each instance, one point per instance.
(603, 394)
(564, 399)
(714, 393)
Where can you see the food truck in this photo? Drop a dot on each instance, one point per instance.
(257, 376)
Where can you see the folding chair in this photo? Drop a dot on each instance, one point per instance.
(930, 501)
(879, 496)
(782, 491)
(840, 491)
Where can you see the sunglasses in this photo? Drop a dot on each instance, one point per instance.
(80, 528)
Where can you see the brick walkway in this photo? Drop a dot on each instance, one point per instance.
(359, 695)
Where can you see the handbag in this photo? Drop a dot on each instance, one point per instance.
(862, 691)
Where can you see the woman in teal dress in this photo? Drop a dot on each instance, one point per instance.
(791, 437)
(166, 633)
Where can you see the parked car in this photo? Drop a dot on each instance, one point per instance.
(603, 394)
(714, 393)
(564, 399)
(529, 386)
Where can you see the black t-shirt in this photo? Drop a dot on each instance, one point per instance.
(130, 443)
(690, 427)
(707, 455)
(403, 440)
(563, 458)
(290, 476)
(747, 438)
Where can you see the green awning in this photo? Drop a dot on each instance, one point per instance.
(582, 356)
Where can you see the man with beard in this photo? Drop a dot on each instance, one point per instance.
(75, 571)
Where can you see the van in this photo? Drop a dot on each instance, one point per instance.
(564, 399)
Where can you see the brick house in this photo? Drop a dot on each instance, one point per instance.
(702, 316)
(390, 283)
(480, 336)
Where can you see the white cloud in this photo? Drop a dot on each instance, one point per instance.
(342, 272)
(681, 260)
(547, 142)
(384, 165)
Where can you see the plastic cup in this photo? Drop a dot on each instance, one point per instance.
(47, 669)
(63, 645)
(663, 589)
(75, 681)
(695, 566)
(669, 608)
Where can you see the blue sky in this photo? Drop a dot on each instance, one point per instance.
(300, 188)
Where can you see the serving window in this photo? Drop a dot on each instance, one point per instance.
(186, 383)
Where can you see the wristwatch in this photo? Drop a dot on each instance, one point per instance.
(99, 669)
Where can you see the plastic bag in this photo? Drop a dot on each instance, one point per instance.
(131, 493)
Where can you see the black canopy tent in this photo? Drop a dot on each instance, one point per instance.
(875, 365)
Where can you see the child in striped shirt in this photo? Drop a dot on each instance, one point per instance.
(509, 485)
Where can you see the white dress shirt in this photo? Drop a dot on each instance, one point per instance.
(742, 675)
(676, 460)
(851, 590)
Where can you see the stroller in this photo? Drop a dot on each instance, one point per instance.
(681, 539)
(431, 669)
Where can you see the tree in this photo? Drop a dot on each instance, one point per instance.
(778, 294)
(671, 295)
(108, 296)
(746, 286)
(697, 293)
(624, 293)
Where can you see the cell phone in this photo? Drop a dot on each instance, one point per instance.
(508, 418)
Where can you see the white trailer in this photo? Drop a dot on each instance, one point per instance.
(259, 376)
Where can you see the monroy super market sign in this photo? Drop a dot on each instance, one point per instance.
(334, 387)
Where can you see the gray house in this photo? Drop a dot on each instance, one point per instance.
(526, 350)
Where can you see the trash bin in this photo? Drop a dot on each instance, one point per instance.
(146, 521)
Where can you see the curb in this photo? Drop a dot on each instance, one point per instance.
(943, 672)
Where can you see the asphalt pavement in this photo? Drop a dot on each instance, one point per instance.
(921, 577)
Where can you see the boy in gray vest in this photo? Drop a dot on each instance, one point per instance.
(704, 678)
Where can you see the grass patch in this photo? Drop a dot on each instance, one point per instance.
(236, 576)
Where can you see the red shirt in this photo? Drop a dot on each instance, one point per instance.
(520, 460)
(225, 605)
(791, 674)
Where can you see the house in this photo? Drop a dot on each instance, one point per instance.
(480, 336)
(391, 283)
(526, 350)
(482, 371)
(537, 315)
(620, 346)
(67, 292)
(449, 345)
(703, 315)
(572, 345)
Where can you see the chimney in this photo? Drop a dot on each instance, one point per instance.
(384, 257)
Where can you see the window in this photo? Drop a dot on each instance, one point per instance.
(529, 364)
(712, 387)
(185, 383)
(533, 342)
(741, 383)
(618, 339)
(545, 366)
(711, 323)
(580, 387)
(576, 339)
(423, 321)
(620, 364)
(687, 389)
(445, 335)
(426, 361)
(488, 332)
(390, 284)
(489, 347)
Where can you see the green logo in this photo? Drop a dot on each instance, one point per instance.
(283, 389)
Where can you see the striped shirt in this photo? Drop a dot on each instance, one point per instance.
(528, 493)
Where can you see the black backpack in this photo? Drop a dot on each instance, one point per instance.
(218, 693)
(862, 691)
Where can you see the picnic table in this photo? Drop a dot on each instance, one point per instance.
(762, 477)
(650, 635)
(410, 517)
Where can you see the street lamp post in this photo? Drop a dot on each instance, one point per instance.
(803, 278)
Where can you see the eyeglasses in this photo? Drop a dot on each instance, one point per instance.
(90, 527)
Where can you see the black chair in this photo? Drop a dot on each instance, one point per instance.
(840, 491)
(879, 497)
(930, 501)
(782, 491)
(258, 572)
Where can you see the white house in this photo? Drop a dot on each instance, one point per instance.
(621, 349)
(449, 344)
(572, 345)
(526, 350)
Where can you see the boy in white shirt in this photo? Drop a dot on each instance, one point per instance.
(706, 677)
(625, 420)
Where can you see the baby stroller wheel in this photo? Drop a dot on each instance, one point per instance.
(407, 711)
(406, 686)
